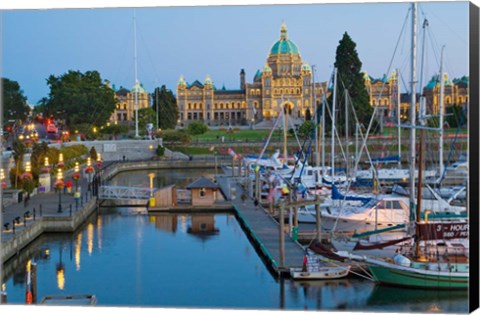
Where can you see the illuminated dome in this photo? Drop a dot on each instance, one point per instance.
(284, 45)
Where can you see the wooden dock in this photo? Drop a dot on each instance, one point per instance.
(261, 228)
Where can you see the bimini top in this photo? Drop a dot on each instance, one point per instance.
(284, 45)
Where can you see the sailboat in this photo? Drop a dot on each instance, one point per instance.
(447, 271)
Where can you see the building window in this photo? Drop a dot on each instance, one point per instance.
(202, 193)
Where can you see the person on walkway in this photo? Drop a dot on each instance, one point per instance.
(255, 202)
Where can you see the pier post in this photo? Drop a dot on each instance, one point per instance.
(257, 184)
(270, 187)
(239, 167)
(317, 216)
(282, 235)
(34, 282)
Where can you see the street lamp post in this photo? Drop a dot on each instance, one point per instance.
(89, 170)
(152, 199)
(59, 185)
(76, 176)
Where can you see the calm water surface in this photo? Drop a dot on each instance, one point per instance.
(184, 260)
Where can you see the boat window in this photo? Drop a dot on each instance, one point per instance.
(397, 205)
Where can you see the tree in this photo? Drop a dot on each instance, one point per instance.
(15, 103)
(167, 108)
(19, 151)
(197, 128)
(80, 98)
(350, 77)
(115, 130)
(306, 129)
(145, 116)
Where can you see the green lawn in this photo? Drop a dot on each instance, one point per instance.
(235, 135)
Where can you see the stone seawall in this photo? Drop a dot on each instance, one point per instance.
(119, 167)
(46, 224)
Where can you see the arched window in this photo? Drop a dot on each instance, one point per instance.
(202, 193)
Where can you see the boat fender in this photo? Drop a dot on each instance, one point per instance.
(401, 260)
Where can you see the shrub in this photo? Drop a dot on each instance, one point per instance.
(197, 128)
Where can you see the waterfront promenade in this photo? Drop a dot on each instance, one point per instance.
(44, 215)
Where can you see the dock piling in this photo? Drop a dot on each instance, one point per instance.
(282, 236)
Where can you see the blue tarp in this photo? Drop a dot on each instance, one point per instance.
(337, 195)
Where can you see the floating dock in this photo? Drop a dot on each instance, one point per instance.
(261, 228)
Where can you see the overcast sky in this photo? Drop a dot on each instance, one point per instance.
(221, 40)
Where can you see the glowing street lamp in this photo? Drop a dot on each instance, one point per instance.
(76, 175)
(60, 160)
(152, 199)
(46, 166)
(59, 184)
(2, 178)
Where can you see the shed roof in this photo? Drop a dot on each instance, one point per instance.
(202, 182)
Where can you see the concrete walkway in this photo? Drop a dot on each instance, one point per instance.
(44, 205)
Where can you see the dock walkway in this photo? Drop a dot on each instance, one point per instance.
(261, 227)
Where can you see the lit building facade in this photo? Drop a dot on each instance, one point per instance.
(285, 81)
(126, 100)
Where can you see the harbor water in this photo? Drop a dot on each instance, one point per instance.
(199, 260)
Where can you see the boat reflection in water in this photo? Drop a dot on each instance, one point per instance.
(339, 294)
(200, 260)
(417, 300)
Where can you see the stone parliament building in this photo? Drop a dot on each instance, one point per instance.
(284, 82)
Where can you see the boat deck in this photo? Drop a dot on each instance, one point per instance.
(261, 228)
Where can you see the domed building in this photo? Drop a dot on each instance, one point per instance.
(126, 100)
(285, 81)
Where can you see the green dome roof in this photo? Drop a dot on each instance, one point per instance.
(284, 45)
(138, 88)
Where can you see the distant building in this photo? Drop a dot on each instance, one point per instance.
(284, 82)
(384, 95)
(124, 112)
(455, 93)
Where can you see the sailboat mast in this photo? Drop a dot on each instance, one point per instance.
(323, 133)
(333, 122)
(285, 126)
(441, 109)
(398, 122)
(346, 131)
(413, 109)
(317, 146)
(136, 71)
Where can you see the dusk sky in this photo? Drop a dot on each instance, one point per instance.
(221, 40)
